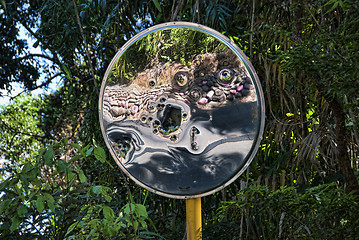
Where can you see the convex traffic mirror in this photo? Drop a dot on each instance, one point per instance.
(181, 110)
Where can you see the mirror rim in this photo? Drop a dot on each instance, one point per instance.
(249, 67)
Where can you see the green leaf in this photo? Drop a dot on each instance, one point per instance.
(18, 191)
(88, 152)
(100, 154)
(151, 234)
(108, 198)
(143, 223)
(333, 7)
(74, 158)
(105, 194)
(329, 2)
(61, 165)
(35, 182)
(25, 182)
(65, 141)
(4, 4)
(152, 224)
(158, 20)
(82, 176)
(341, 4)
(26, 168)
(135, 223)
(21, 210)
(127, 208)
(15, 222)
(157, 4)
(97, 189)
(48, 156)
(67, 71)
(41, 153)
(71, 175)
(4, 204)
(76, 145)
(51, 206)
(50, 201)
(4, 184)
(40, 203)
(94, 222)
(108, 213)
(71, 228)
(141, 211)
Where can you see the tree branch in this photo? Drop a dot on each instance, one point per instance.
(49, 80)
(39, 86)
(311, 14)
(177, 10)
(251, 36)
(55, 58)
(86, 50)
(38, 55)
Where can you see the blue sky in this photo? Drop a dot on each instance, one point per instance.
(18, 88)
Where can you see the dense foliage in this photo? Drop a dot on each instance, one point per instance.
(321, 212)
(58, 183)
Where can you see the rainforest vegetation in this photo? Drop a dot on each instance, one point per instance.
(58, 181)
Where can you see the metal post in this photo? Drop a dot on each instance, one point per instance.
(194, 219)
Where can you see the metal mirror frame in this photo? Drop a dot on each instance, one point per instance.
(238, 52)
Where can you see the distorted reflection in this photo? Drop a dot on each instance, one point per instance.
(180, 111)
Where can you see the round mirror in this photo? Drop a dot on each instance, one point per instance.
(181, 110)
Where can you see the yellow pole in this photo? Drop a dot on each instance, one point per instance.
(194, 219)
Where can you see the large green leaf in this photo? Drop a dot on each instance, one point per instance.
(40, 203)
(108, 213)
(48, 156)
(100, 154)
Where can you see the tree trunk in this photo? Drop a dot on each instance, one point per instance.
(342, 153)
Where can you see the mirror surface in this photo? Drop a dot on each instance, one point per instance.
(181, 110)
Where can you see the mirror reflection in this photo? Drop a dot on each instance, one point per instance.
(179, 111)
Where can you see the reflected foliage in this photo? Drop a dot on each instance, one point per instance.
(184, 125)
(159, 47)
